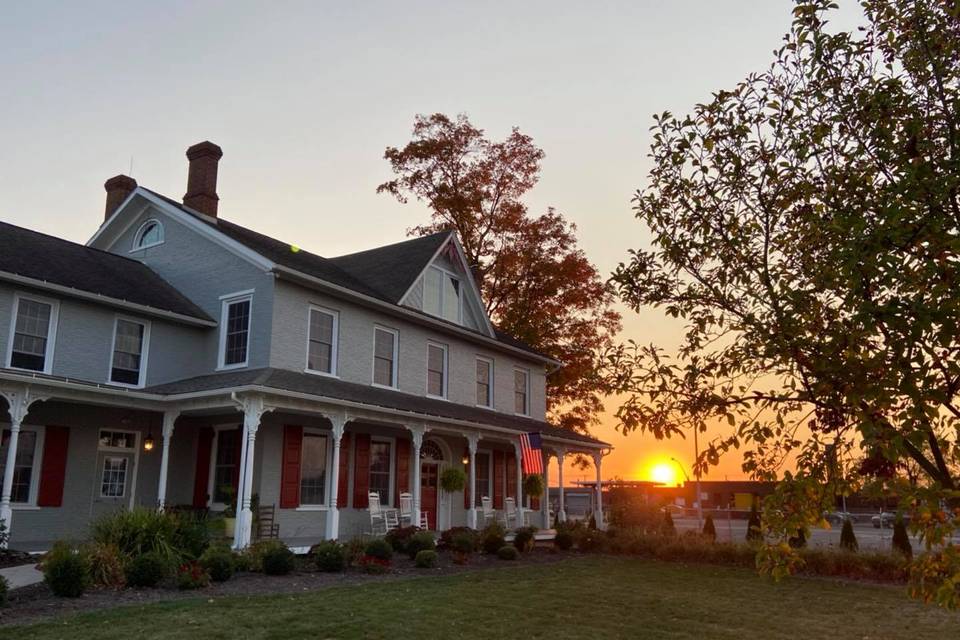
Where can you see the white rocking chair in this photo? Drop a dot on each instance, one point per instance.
(487, 512)
(406, 512)
(510, 513)
(380, 516)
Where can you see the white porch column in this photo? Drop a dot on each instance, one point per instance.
(19, 401)
(518, 451)
(416, 432)
(169, 418)
(338, 423)
(472, 440)
(562, 513)
(545, 504)
(253, 409)
(598, 513)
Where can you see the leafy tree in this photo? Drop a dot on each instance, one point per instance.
(537, 284)
(805, 225)
(709, 530)
(901, 541)
(754, 525)
(848, 539)
(667, 527)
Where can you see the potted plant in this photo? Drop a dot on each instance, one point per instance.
(452, 480)
(533, 485)
(229, 511)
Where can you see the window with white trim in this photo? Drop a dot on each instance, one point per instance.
(113, 481)
(226, 460)
(129, 350)
(521, 391)
(385, 357)
(381, 467)
(484, 382)
(25, 476)
(117, 440)
(484, 476)
(235, 331)
(322, 341)
(442, 294)
(436, 370)
(313, 469)
(32, 334)
(150, 234)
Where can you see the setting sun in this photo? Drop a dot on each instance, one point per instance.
(664, 473)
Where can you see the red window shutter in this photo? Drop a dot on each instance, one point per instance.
(237, 452)
(498, 468)
(290, 467)
(344, 478)
(511, 477)
(201, 477)
(466, 486)
(403, 468)
(361, 471)
(54, 467)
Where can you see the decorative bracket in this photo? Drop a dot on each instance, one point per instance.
(417, 431)
(169, 420)
(472, 440)
(253, 408)
(19, 400)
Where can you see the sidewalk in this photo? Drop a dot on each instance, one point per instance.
(22, 576)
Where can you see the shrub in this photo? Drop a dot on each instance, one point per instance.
(218, 561)
(754, 525)
(380, 549)
(848, 539)
(901, 541)
(4, 588)
(330, 556)
(463, 544)
(629, 511)
(191, 533)
(106, 566)
(492, 538)
(354, 550)
(667, 527)
(277, 561)
(709, 530)
(524, 539)
(399, 537)
(258, 550)
(426, 559)
(446, 538)
(453, 480)
(241, 562)
(66, 570)
(564, 540)
(798, 541)
(147, 570)
(137, 532)
(588, 540)
(4, 535)
(191, 575)
(371, 564)
(420, 541)
(508, 552)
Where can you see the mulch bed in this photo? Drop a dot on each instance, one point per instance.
(11, 558)
(36, 603)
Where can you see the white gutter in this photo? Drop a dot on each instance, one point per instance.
(102, 299)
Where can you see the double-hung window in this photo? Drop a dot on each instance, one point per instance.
(442, 294)
(128, 363)
(436, 370)
(33, 334)
(313, 469)
(484, 477)
(521, 391)
(235, 330)
(385, 357)
(118, 449)
(484, 382)
(25, 472)
(322, 341)
(226, 462)
(381, 458)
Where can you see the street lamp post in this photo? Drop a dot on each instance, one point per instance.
(699, 506)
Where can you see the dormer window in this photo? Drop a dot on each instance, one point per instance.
(442, 295)
(149, 234)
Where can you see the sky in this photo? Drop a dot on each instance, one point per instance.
(303, 97)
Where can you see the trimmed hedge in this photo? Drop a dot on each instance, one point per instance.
(508, 552)
(66, 570)
(330, 556)
(426, 559)
(147, 570)
(218, 561)
(278, 561)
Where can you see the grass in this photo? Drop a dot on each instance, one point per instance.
(586, 597)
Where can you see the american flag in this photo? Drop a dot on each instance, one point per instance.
(530, 446)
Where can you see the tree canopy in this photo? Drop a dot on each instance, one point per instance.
(537, 284)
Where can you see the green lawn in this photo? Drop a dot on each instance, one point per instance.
(588, 597)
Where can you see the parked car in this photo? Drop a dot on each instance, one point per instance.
(886, 520)
(839, 517)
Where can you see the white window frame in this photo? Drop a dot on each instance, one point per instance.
(526, 408)
(126, 476)
(31, 503)
(144, 351)
(212, 473)
(52, 325)
(396, 357)
(393, 466)
(480, 492)
(446, 370)
(138, 236)
(134, 452)
(328, 478)
(490, 385)
(334, 350)
(225, 302)
(455, 276)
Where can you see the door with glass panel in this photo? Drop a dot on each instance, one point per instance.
(114, 478)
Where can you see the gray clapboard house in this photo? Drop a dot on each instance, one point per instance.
(180, 359)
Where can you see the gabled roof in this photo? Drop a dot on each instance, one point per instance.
(334, 388)
(394, 267)
(46, 260)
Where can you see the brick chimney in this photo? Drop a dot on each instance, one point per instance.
(118, 188)
(202, 178)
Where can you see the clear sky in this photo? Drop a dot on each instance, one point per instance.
(303, 97)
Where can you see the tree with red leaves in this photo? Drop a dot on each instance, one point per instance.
(537, 284)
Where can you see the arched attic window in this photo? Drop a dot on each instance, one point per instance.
(149, 234)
